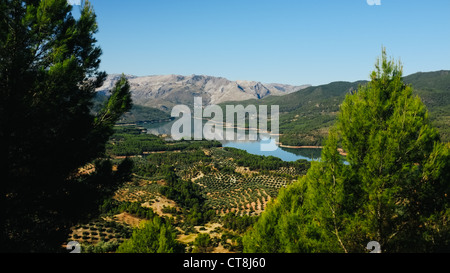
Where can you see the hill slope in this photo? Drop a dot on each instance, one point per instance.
(137, 114)
(306, 115)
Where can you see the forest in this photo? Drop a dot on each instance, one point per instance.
(127, 141)
(264, 163)
(395, 189)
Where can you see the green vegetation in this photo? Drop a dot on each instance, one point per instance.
(202, 244)
(100, 235)
(214, 172)
(307, 115)
(433, 89)
(112, 207)
(77, 166)
(187, 185)
(128, 141)
(394, 189)
(311, 112)
(100, 247)
(189, 196)
(138, 114)
(245, 191)
(49, 70)
(265, 163)
(239, 224)
(156, 236)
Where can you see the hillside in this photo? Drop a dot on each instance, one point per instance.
(198, 187)
(434, 90)
(164, 92)
(137, 114)
(306, 115)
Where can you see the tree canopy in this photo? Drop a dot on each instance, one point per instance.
(49, 70)
(393, 189)
(154, 236)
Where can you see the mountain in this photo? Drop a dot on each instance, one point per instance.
(306, 112)
(306, 115)
(164, 92)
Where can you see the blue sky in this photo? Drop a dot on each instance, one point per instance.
(284, 41)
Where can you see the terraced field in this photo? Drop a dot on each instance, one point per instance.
(227, 187)
(101, 230)
(239, 191)
(243, 195)
(140, 191)
(227, 182)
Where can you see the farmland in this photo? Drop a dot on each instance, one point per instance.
(196, 186)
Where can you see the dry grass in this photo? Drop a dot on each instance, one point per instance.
(128, 219)
(159, 204)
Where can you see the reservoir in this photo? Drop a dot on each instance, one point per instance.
(285, 154)
(252, 147)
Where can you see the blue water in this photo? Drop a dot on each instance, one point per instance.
(289, 155)
(253, 147)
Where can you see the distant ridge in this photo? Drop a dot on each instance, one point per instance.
(306, 115)
(165, 91)
(306, 112)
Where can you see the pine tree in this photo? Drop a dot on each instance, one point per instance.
(393, 189)
(154, 236)
(49, 70)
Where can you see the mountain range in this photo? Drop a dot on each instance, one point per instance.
(165, 91)
(306, 112)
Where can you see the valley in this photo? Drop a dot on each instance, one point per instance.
(307, 115)
(211, 192)
(306, 112)
(224, 127)
(199, 187)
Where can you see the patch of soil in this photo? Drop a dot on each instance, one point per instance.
(128, 219)
(159, 204)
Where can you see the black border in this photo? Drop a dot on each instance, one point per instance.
(278, 263)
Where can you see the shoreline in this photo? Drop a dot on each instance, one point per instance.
(281, 145)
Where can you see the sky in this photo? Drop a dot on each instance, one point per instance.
(272, 41)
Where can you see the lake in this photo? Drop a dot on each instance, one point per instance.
(252, 147)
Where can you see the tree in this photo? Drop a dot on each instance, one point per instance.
(393, 190)
(202, 243)
(154, 236)
(49, 70)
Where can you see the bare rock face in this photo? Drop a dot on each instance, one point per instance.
(165, 91)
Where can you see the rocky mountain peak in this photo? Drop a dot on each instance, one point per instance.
(165, 91)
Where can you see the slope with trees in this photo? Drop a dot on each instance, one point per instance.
(307, 115)
(394, 189)
(49, 70)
